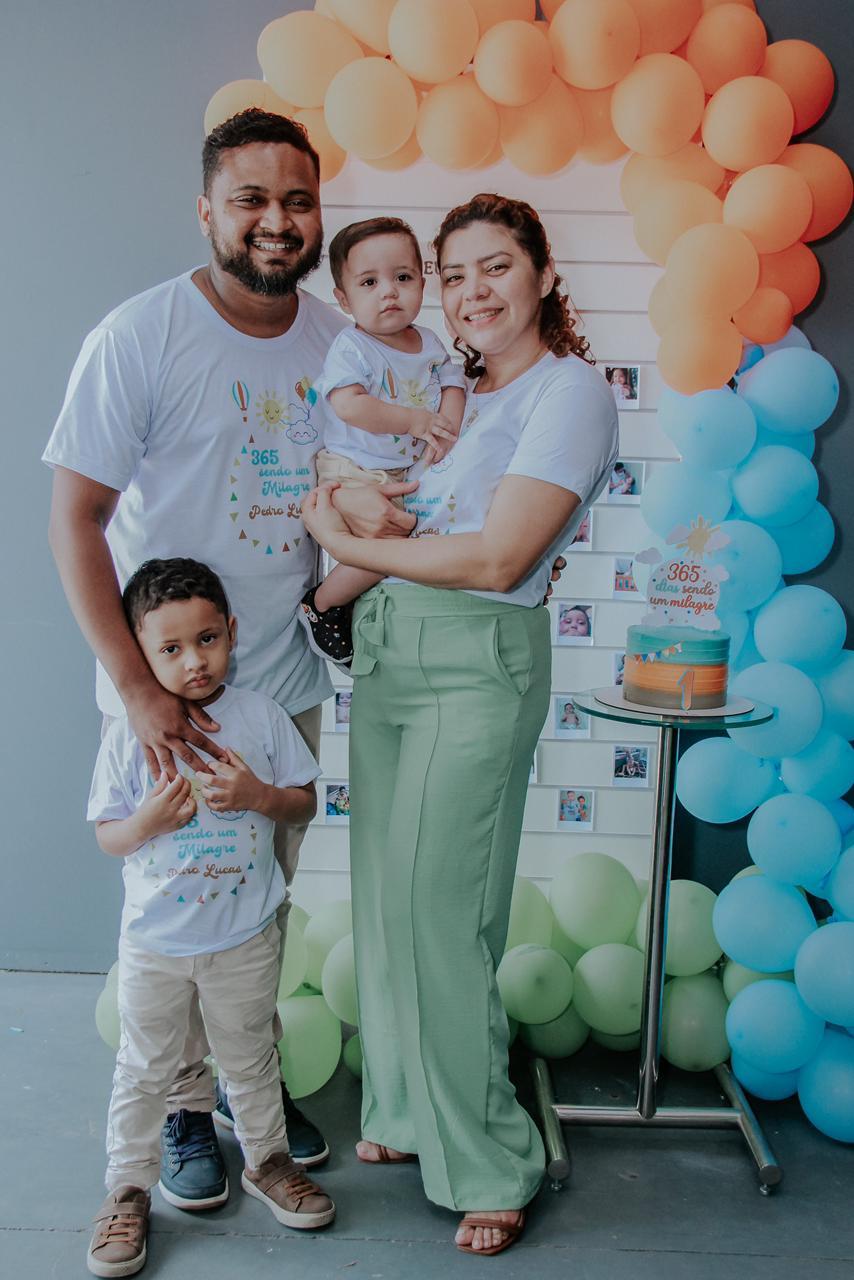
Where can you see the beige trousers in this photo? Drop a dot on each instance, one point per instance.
(334, 466)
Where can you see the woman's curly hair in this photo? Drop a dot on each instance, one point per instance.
(557, 324)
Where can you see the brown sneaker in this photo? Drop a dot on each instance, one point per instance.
(288, 1193)
(118, 1241)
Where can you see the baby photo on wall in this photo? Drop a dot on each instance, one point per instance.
(573, 623)
(338, 803)
(625, 485)
(624, 381)
(631, 766)
(343, 698)
(575, 809)
(624, 583)
(583, 540)
(567, 721)
(618, 666)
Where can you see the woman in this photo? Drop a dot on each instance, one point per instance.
(452, 678)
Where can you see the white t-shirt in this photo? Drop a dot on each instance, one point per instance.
(413, 380)
(216, 882)
(556, 422)
(210, 436)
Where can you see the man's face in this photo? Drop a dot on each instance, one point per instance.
(262, 216)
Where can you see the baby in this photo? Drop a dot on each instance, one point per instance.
(395, 397)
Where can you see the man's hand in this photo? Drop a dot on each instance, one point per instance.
(232, 785)
(557, 569)
(169, 807)
(369, 514)
(169, 727)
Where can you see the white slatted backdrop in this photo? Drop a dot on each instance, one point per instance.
(610, 282)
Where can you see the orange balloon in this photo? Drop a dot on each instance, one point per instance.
(367, 20)
(665, 24)
(457, 125)
(594, 42)
(771, 204)
(332, 156)
(749, 121)
(433, 40)
(829, 181)
(600, 144)
(301, 53)
(658, 105)
(489, 12)
(699, 353)
(796, 271)
(550, 8)
(806, 75)
(543, 136)
(495, 156)
(712, 270)
(765, 317)
(660, 307)
(713, 4)
(642, 174)
(668, 211)
(238, 96)
(512, 63)
(728, 41)
(370, 108)
(400, 159)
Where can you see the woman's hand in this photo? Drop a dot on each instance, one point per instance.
(321, 519)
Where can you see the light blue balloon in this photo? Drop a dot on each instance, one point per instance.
(775, 486)
(824, 972)
(737, 627)
(761, 923)
(753, 561)
(842, 812)
(791, 390)
(802, 625)
(806, 543)
(718, 783)
(751, 354)
(676, 494)
(749, 655)
(772, 1086)
(797, 704)
(770, 1026)
(826, 1087)
(804, 442)
(836, 686)
(712, 429)
(825, 769)
(793, 338)
(840, 887)
(794, 838)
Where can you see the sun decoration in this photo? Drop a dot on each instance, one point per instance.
(702, 537)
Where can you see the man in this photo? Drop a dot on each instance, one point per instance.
(189, 428)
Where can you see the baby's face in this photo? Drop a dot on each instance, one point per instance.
(574, 623)
(382, 284)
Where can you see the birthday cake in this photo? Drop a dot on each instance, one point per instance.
(680, 667)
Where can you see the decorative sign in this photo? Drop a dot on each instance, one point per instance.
(683, 591)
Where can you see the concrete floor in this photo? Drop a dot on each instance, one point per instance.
(640, 1206)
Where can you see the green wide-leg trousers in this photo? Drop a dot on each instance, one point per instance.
(451, 691)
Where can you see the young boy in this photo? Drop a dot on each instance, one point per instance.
(201, 891)
(395, 396)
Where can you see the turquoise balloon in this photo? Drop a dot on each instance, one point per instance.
(769, 1025)
(676, 494)
(736, 977)
(595, 899)
(772, 1086)
(310, 1047)
(753, 561)
(749, 655)
(352, 1055)
(535, 983)
(775, 486)
(824, 972)
(796, 702)
(737, 627)
(826, 1087)
(792, 338)
(836, 686)
(761, 923)
(794, 838)
(693, 1023)
(531, 918)
(843, 813)
(560, 1038)
(713, 429)
(840, 888)
(791, 390)
(802, 625)
(824, 770)
(608, 988)
(691, 943)
(717, 782)
(751, 354)
(338, 981)
(804, 442)
(806, 543)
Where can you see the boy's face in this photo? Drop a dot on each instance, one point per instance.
(187, 644)
(382, 284)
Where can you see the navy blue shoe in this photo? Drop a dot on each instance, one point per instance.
(306, 1142)
(192, 1170)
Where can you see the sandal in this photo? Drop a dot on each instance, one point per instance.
(384, 1155)
(512, 1231)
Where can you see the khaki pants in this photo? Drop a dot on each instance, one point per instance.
(332, 466)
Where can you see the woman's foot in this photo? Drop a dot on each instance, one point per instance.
(376, 1153)
(489, 1231)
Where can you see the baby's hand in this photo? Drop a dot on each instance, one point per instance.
(437, 431)
(169, 807)
(232, 785)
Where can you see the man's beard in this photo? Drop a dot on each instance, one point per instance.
(276, 282)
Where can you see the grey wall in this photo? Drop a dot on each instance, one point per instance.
(102, 108)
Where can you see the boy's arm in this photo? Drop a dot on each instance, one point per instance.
(235, 786)
(169, 807)
(294, 805)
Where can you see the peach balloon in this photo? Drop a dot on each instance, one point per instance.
(728, 41)
(642, 174)
(238, 96)
(433, 40)
(669, 210)
(665, 24)
(806, 75)
(495, 156)
(332, 157)
(658, 105)
(301, 53)
(594, 42)
(771, 204)
(543, 136)
(712, 269)
(400, 159)
(367, 20)
(699, 353)
(512, 63)
(749, 121)
(713, 4)
(829, 181)
(765, 317)
(371, 108)
(600, 144)
(796, 271)
(490, 12)
(457, 125)
(550, 8)
(660, 306)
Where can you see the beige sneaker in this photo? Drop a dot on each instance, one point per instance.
(121, 1226)
(288, 1193)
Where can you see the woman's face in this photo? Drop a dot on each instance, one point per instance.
(491, 292)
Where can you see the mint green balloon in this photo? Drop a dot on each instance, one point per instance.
(295, 961)
(339, 981)
(326, 927)
(107, 1017)
(736, 977)
(595, 900)
(535, 983)
(608, 988)
(352, 1055)
(693, 1023)
(564, 946)
(513, 1028)
(298, 914)
(751, 870)
(531, 918)
(691, 943)
(305, 989)
(621, 1044)
(112, 979)
(560, 1038)
(310, 1047)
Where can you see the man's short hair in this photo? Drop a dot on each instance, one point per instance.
(252, 125)
(348, 237)
(158, 581)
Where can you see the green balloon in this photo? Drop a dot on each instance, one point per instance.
(295, 961)
(298, 914)
(620, 1043)
(751, 870)
(608, 988)
(112, 979)
(513, 1028)
(339, 981)
(691, 943)
(310, 1047)
(736, 977)
(107, 1017)
(564, 946)
(352, 1055)
(535, 983)
(595, 900)
(693, 1023)
(326, 927)
(305, 989)
(531, 918)
(560, 1038)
